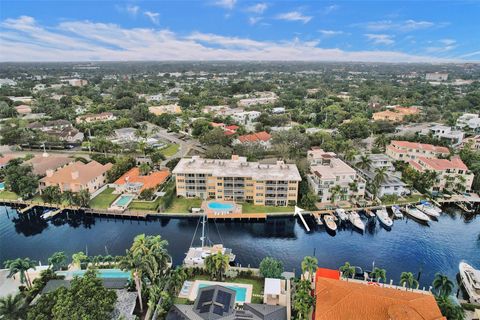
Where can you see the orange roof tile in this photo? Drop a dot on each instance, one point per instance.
(443, 164)
(6, 158)
(419, 146)
(77, 172)
(338, 300)
(327, 273)
(153, 180)
(254, 137)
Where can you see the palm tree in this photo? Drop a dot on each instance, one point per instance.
(347, 270)
(350, 155)
(57, 260)
(380, 175)
(379, 274)
(309, 264)
(12, 307)
(407, 279)
(334, 191)
(177, 277)
(78, 258)
(442, 284)
(450, 309)
(221, 264)
(381, 142)
(134, 263)
(364, 162)
(21, 266)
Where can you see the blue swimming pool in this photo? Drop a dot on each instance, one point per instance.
(220, 206)
(2, 186)
(123, 201)
(101, 273)
(240, 292)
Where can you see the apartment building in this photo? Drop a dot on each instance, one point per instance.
(327, 172)
(436, 76)
(451, 174)
(237, 180)
(405, 150)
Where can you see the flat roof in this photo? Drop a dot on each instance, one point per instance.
(272, 286)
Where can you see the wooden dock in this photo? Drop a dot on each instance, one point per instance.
(27, 208)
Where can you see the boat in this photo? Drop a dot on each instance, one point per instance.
(369, 213)
(341, 214)
(429, 209)
(417, 214)
(465, 207)
(356, 221)
(196, 255)
(471, 281)
(48, 214)
(382, 215)
(397, 212)
(330, 222)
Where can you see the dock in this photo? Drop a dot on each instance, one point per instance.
(27, 208)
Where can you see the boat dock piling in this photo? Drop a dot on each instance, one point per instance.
(27, 208)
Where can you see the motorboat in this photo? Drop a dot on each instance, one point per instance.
(417, 214)
(369, 213)
(429, 209)
(471, 281)
(341, 214)
(382, 215)
(356, 221)
(330, 222)
(48, 214)
(397, 212)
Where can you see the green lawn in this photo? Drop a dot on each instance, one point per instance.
(250, 208)
(144, 205)
(8, 195)
(183, 205)
(257, 283)
(104, 199)
(178, 300)
(170, 150)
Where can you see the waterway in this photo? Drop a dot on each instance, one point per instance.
(408, 246)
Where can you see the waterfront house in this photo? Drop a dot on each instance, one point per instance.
(77, 176)
(359, 300)
(171, 108)
(405, 150)
(262, 138)
(43, 163)
(237, 180)
(469, 122)
(332, 179)
(451, 174)
(101, 117)
(445, 133)
(134, 183)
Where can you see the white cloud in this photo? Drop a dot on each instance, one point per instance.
(330, 9)
(448, 42)
(227, 4)
(400, 26)
(153, 16)
(254, 20)
(444, 46)
(23, 39)
(331, 33)
(383, 39)
(133, 9)
(258, 8)
(294, 16)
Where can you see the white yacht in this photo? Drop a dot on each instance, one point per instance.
(382, 215)
(356, 221)
(429, 209)
(397, 212)
(341, 214)
(471, 281)
(417, 214)
(48, 214)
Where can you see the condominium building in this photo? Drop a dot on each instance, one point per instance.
(237, 180)
(405, 150)
(327, 172)
(451, 174)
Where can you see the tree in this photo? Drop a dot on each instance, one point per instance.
(217, 151)
(217, 264)
(449, 309)
(20, 179)
(12, 307)
(378, 274)
(147, 194)
(335, 191)
(347, 270)
(215, 136)
(271, 268)
(52, 194)
(144, 169)
(121, 166)
(381, 142)
(78, 258)
(407, 279)
(357, 128)
(291, 143)
(82, 198)
(442, 285)
(364, 162)
(302, 300)
(309, 264)
(20, 266)
(57, 260)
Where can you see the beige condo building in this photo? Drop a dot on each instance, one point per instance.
(237, 180)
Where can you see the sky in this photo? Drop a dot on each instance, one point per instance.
(371, 31)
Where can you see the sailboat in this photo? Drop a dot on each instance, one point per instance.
(196, 255)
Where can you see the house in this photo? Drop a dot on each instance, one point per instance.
(23, 109)
(237, 180)
(76, 82)
(475, 141)
(25, 100)
(218, 302)
(170, 108)
(436, 76)
(133, 182)
(278, 110)
(337, 299)
(246, 117)
(125, 135)
(451, 174)
(61, 129)
(262, 98)
(262, 138)
(43, 163)
(445, 133)
(77, 176)
(328, 173)
(275, 292)
(405, 150)
(5, 159)
(469, 121)
(101, 117)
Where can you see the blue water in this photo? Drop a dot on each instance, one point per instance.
(409, 246)
(123, 201)
(220, 206)
(240, 292)
(102, 273)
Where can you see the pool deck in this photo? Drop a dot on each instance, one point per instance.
(196, 284)
(235, 208)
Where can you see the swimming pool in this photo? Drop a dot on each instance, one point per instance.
(123, 201)
(2, 186)
(101, 273)
(220, 206)
(240, 292)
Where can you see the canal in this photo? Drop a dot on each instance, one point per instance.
(408, 246)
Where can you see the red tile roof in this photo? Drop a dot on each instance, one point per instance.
(419, 146)
(150, 181)
(327, 273)
(232, 127)
(216, 124)
(441, 164)
(255, 137)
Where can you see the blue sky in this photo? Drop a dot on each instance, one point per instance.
(391, 31)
